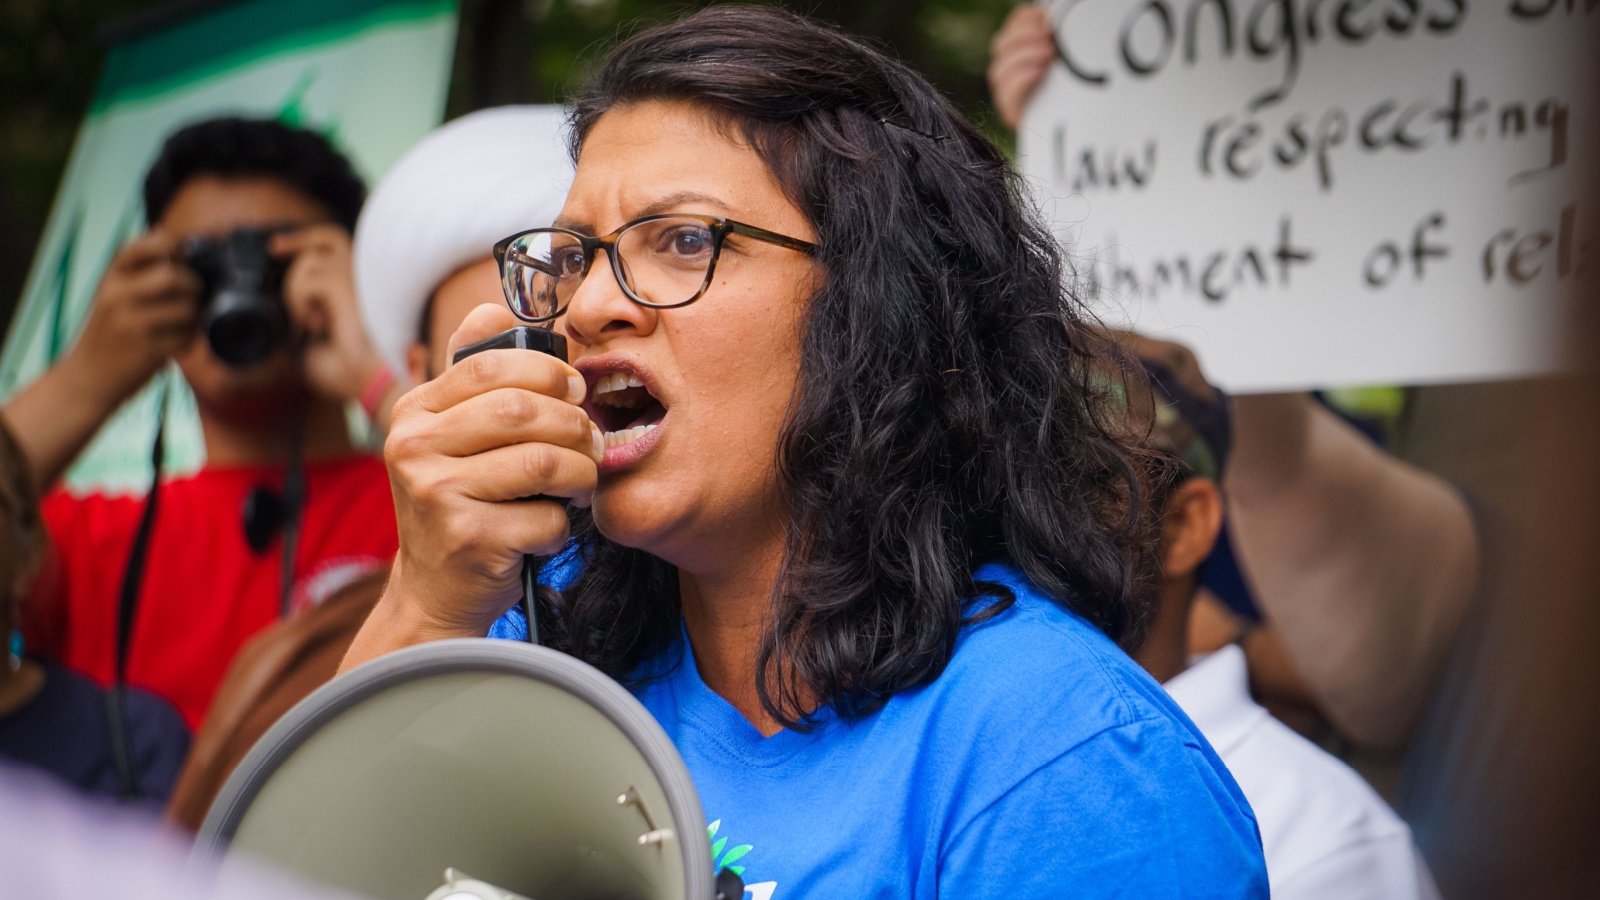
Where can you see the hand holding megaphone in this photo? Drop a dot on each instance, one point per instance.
(481, 460)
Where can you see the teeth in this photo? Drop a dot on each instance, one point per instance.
(616, 381)
(609, 388)
(627, 435)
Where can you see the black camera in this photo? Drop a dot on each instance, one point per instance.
(243, 314)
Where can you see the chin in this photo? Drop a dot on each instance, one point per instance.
(633, 517)
(621, 525)
(217, 384)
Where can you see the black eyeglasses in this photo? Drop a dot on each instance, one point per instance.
(662, 261)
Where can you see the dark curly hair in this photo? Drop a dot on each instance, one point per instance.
(238, 147)
(952, 407)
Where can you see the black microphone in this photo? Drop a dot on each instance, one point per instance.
(264, 514)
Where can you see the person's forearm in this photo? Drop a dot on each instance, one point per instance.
(1363, 561)
(1271, 443)
(55, 417)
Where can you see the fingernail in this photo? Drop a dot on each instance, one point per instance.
(577, 389)
(599, 442)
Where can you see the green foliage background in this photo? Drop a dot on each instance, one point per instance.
(508, 51)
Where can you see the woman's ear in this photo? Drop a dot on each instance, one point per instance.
(1190, 523)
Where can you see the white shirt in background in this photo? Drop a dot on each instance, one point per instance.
(1325, 832)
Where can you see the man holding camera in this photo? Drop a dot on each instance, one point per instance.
(250, 216)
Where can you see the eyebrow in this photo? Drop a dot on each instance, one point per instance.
(669, 203)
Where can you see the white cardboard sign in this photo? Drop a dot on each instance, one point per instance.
(1325, 192)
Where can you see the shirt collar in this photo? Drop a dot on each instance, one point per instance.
(1215, 694)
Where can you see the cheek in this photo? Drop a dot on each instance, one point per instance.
(749, 378)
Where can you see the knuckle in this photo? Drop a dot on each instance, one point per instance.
(457, 536)
(513, 408)
(482, 368)
(434, 492)
(551, 528)
(539, 464)
(443, 485)
(407, 439)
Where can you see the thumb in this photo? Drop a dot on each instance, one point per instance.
(483, 322)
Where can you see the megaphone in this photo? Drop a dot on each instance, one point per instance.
(464, 767)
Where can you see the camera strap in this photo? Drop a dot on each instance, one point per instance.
(294, 501)
(294, 491)
(122, 759)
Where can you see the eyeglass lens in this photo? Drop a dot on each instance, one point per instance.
(662, 262)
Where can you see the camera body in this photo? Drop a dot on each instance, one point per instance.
(243, 315)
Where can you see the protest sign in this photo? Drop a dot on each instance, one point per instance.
(1327, 192)
(370, 74)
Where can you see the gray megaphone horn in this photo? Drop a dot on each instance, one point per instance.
(470, 769)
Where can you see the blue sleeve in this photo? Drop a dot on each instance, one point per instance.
(1137, 811)
(559, 572)
(511, 626)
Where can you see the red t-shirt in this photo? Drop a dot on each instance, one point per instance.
(205, 592)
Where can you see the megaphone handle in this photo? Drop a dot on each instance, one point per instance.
(530, 579)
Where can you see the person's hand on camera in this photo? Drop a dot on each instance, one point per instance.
(1019, 56)
(466, 454)
(143, 314)
(319, 288)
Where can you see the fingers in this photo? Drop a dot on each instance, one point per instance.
(159, 279)
(492, 369)
(307, 287)
(534, 527)
(461, 559)
(320, 259)
(1026, 25)
(144, 250)
(500, 534)
(1015, 67)
(325, 238)
(1014, 78)
(1020, 56)
(520, 471)
(508, 416)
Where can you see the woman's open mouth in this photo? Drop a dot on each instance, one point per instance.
(629, 415)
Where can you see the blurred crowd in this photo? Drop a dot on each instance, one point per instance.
(1313, 585)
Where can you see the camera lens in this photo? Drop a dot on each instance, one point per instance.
(243, 329)
(245, 319)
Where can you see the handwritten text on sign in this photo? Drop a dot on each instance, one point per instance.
(1325, 192)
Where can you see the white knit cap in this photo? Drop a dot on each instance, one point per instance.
(477, 179)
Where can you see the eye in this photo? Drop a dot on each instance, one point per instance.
(567, 261)
(685, 241)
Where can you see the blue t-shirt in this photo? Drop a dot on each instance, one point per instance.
(1043, 762)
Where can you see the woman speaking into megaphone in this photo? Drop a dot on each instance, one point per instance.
(831, 484)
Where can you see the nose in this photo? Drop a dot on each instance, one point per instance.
(599, 310)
